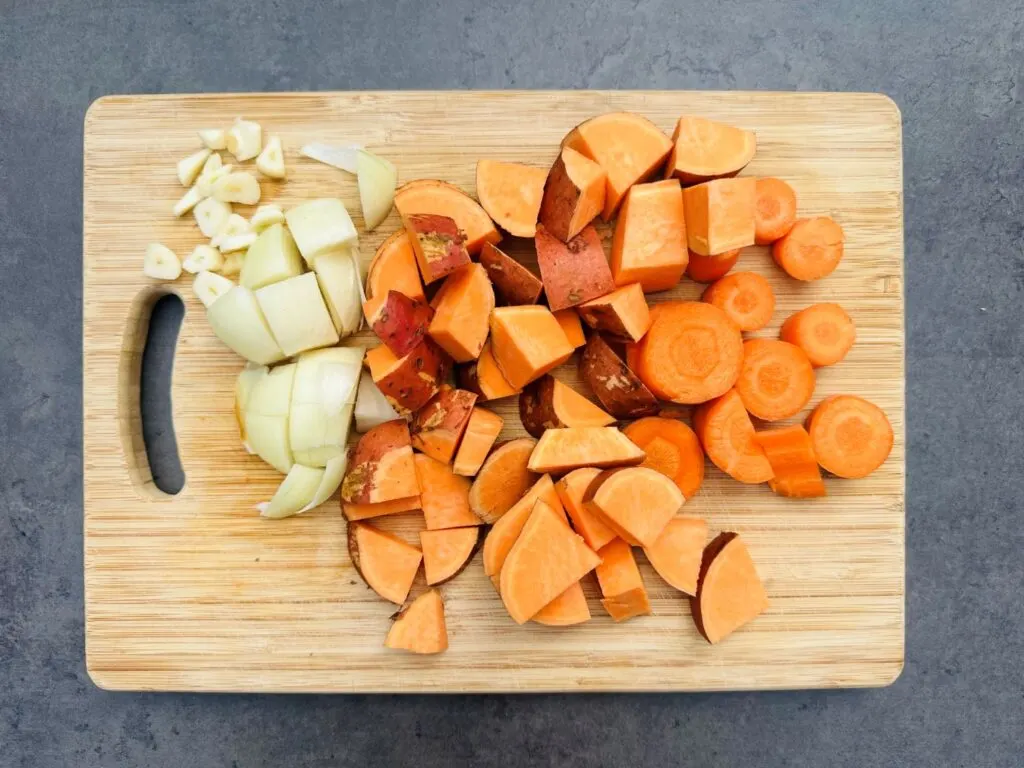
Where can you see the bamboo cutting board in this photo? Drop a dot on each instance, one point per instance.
(197, 592)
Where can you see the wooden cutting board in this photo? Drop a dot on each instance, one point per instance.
(197, 592)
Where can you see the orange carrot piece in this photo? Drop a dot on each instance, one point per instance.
(547, 403)
(676, 554)
(571, 490)
(746, 297)
(619, 389)
(399, 322)
(485, 378)
(649, 246)
(408, 382)
(623, 313)
(707, 269)
(672, 449)
(725, 431)
(621, 583)
(823, 331)
(447, 552)
(575, 271)
(527, 342)
(776, 380)
(513, 283)
(506, 529)
(438, 426)
(703, 150)
(561, 450)
(439, 197)
(444, 496)
(730, 593)
(568, 608)
(720, 215)
(851, 436)
(791, 455)
(386, 563)
(511, 194)
(569, 319)
(502, 480)
(775, 211)
(636, 502)
(393, 267)
(482, 430)
(573, 194)
(461, 310)
(811, 250)
(354, 512)
(420, 628)
(381, 467)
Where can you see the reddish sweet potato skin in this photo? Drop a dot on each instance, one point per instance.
(449, 410)
(441, 243)
(417, 379)
(513, 282)
(573, 272)
(367, 453)
(401, 322)
(620, 391)
(536, 407)
(561, 197)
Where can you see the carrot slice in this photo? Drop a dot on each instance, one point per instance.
(502, 479)
(546, 560)
(707, 269)
(703, 150)
(438, 426)
(485, 378)
(620, 390)
(386, 563)
(673, 449)
(447, 552)
(629, 147)
(461, 310)
(811, 250)
(356, 512)
(511, 194)
(573, 194)
(621, 583)
(720, 215)
(393, 267)
(444, 496)
(823, 331)
(676, 554)
(399, 322)
(649, 246)
(637, 503)
(408, 382)
(623, 313)
(569, 319)
(730, 593)
(433, 196)
(791, 455)
(775, 211)
(506, 529)
(851, 436)
(527, 342)
(575, 271)
(776, 380)
(381, 467)
(513, 283)
(725, 431)
(482, 430)
(571, 489)
(567, 609)
(692, 353)
(420, 628)
(746, 297)
(561, 450)
(548, 403)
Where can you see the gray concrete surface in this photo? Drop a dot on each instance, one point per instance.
(955, 68)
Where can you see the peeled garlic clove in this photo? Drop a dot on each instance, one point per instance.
(213, 163)
(236, 225)
(209, 286)
(214, 138)
(211, 215)
(161, 263)
(189, 167)
(206, 181)
(271, 160)
(203, 258)
(238, 187)
(245, 139)
(188, 201)
(237, 242)
(265, 217)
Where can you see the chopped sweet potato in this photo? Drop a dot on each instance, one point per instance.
(484, 377)
(420, 628)
(438, 426)
(575, 271)
(676, 554)
(548, 403)
(636, 502)
(527, 342)
(720, 215)
(649, 246)
(567, 609)
(571, 490)
(703, 150)
(511, 194)
(561, 450)
(513, 283)
(623, 313)
(569, 319)
(482, 430)
(573, 194)
(506, 529)
(729, 591)
(621, 584)
(399, 322)
(381, 466)
(355, 512)
(408, 382)
(440, 197)
(620, 391)
(386, 563)
(439, 244)
(447, 552)
(502, 480)
(444, 496)
(462, 308)
(393, 267)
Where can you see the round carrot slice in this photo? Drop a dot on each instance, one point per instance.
(673, 449)
(746, 297)
(775, 210)
(727, 435)
(851, 436)
(824, 331)
(811, 250)
(777, 379)
(707, 269)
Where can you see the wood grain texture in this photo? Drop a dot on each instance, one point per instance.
(196, 592)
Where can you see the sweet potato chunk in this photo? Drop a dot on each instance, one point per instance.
(649, 246)
(462, 308)
(571, 490)
(729, 590)
(619, 389)
(676, 554)
(720, 215)
(511, 194)
(703, 150)
(573, 194)
(482, 430)
(621, 584)
(636, 502)
(438, 426)
(399, 322)
(446, 553)
(439, 245)
(420, 628)
(408, 382)
(355, 512)
(513, 283)
(386, 563)
(393, 267)
(575, 271)
(485, 377)
(440, 197)
(623, 313)
(381, 466)
(561, 450)
(527, 342)
(506, 529)
(569, 319)
(567, 609)
(444, 496)
(547, 403)
(502, 480)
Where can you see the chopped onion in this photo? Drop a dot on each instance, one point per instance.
(341, 156)
(372, 408)
(266, 417)
(323, 398)
(238, 321)
(295, 493)
(338, 275)
(244, 386)
(334, 472)
(377, 181)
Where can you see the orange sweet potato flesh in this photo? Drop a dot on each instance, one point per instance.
(503, 479)
(355, 512)
(393, 267)
(575, 271)
(513, 283)
(546, 560)
(571, 490)
(676, 554)
(506, 530)
(440, 197)
(482, 430)
(569, 319)
(399, 322)
(573, 194)
(462, 308)
(386, 563)
(408, 382)
(629, 147)
(720, 215)
(621, 584)
(511, 194)
(636, 502)
(729, 591)
(439, 244)
(649, 246)
(420, 628)
(622, 314)
(381, 466)
(527, 342)
(620, 391)
(567, 609)
(444, 496)
(703, 150)
(438, 426)
(673, 449)
(562, 450)
(547, 403)
(447, 552)
(484, 377)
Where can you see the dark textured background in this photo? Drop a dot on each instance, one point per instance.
(955, 69)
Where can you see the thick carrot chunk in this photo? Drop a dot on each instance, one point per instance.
(823, 331)
(673, 449)
(776, 210)
(725, 431)
(776, 380)
(811, 250)
(707, 269)
(746, 297)
(791, 454)
(851, 436)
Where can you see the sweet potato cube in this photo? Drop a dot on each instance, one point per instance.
(729, 591)
(569, 319)
(393, 267)
(485, 378)
(481, 432)
(649, 246)
(462, 308)
(621, 584)
(511, 194)
(420, 628)
(386, 563)
(703, 150)
(623, 313)
(439, 244)
(381, 466)
(527, 342)
(573, 272)
(444, 495)
(438, 426)
(513, 283)
(562, 450)
(399, 321)
(573, 194)
(408, 382)
(720, 215)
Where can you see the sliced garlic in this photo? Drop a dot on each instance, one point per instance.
(209, 286)
(203, 258)
(238, 187)
(271, 160)
(232, 265)
(211, 216)
(245, 139)
(188, 201)
(235, 225)
(189, 167)
(214, 138)
(213, 163)
(265, 217)
(206, 181)
(161, 263)
(235, 243)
